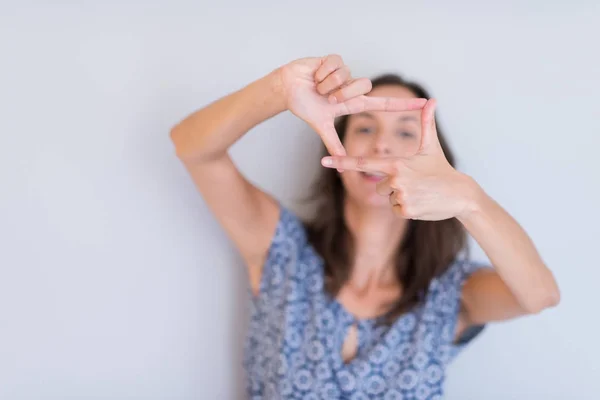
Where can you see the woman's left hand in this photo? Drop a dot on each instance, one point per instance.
(423, 186)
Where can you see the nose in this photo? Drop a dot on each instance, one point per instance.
(381, 146)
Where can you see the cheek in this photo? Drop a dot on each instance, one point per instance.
(406, 147)
(356, 145)
(352, 184)
(348, 180)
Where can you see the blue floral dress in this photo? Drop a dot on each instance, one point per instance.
(296, 331)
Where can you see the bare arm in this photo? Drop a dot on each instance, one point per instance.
(426, 187)
(520, 283)
(207, 134)
(316, 90)
(202, 140)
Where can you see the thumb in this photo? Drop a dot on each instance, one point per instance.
(429, 137)
(331, 139)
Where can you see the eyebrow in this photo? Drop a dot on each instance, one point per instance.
(402, 118)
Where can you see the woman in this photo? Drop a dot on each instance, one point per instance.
(371, 299)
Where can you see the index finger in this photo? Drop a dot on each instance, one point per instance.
(368, 103)
(381, 165)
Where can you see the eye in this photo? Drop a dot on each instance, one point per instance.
(364, 129)
(405, 135)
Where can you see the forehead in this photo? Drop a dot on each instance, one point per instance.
(391, 91)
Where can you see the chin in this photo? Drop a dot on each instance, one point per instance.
(363, 192)
(376, 201)
(368, 199)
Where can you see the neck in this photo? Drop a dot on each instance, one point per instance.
(377, 233)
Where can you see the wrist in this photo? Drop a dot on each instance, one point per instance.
(274, 82)
(474, 199)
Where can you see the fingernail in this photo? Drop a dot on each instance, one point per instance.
(332, 99)
(327, 161)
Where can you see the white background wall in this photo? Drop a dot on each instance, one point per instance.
(115, 280)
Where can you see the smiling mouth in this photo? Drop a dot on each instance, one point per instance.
(372, 177)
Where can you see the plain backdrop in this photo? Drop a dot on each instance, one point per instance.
(115, 280)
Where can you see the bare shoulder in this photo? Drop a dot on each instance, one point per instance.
(248, 214)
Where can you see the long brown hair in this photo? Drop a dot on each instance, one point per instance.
(426, 250)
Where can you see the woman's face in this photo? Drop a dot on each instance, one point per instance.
(379, 134)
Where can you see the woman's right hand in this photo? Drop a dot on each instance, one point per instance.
(319, 89)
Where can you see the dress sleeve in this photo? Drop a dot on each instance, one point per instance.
(286, 250)
(448, 304)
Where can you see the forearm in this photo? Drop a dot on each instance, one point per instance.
(208, 133)
(511, 252)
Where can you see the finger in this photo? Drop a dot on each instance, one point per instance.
(429, 136)
(393, 198)
(384, 187)
(328, 65)
(367, 103)
(335, 80)
(355, 87)
(400, 211)
(331, 140)
(374, 165)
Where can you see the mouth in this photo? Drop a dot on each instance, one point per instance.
(372, 177)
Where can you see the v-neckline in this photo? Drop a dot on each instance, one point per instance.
(363, 326)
